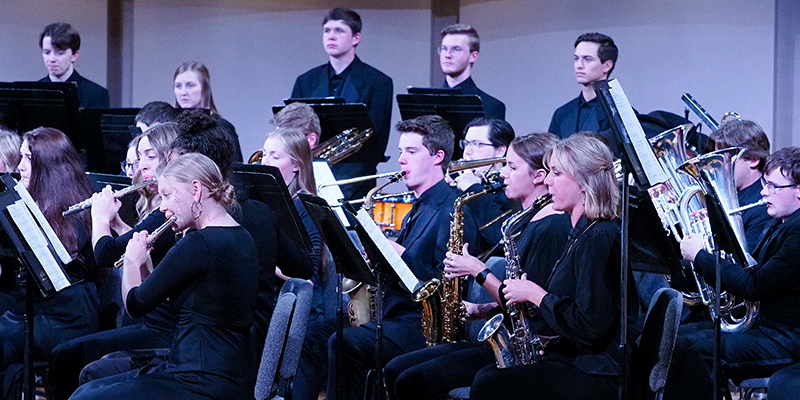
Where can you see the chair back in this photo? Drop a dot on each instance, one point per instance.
(654, 353)
(297, 330)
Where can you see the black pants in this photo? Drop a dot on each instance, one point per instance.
(785, 384)
(545, 380)
(434, 371)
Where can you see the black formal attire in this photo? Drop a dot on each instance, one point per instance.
(488, 207)
(785, 384)
(213, 296)
(580, 115)
(153, 330)
(425, 233)
(582, 307)
(231, 131)
(773, 342)
(492, 107)
(434, 371)
(90, 94)
(756, 219)
(67, 314)
(358, 83)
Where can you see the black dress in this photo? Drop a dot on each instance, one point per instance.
(213, 295)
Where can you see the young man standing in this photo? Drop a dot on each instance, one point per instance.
(457, 54)
(346, 76)
(60, 44)
(595, 58)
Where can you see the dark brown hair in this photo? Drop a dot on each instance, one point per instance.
(436, 135)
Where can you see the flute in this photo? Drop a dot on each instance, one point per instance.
(119, 193)
(151, 238)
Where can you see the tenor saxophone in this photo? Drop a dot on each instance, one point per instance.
(519, 346)
(442, 310)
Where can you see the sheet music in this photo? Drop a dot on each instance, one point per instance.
(61, 251)
(332, 194)
(33, 235)
(406, 276)
(650, 165)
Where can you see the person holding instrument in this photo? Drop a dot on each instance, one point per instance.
(579, 301)
(210, 350)
(434, 371)
(153, 330)
(51, 171)
(774, 341)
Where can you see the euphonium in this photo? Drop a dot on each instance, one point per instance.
(342, 145)
(362, 307)
(442, 311)
(714, 173)
(520, 346)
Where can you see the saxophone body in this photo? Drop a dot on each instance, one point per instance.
(517, 346)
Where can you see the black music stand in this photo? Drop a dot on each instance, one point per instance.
(29, 105)
(335, 118)
(313, 100)
(35, 271)
(457, 109)
(265, 184)
(117, 182)
(108, 132)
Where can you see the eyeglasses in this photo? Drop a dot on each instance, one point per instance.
(772, 188)
(476, 145)
(126, 165)
(452, 51)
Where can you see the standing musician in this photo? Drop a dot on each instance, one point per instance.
(579, 301)
(426, 145)
(51, 171)
(210, 349)
(774, 342)
(595, 59)
(153, 330)
(486, 138)
(346, 76)
(433, 372)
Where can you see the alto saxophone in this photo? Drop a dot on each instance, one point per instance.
(442, 311)
(520, 346)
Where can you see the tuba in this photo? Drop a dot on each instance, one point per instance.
(442, 311)
(519, 346)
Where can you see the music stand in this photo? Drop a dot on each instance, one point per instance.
(107, 132)
(313, 100)
(265, 184)
(40, 252)
(457, 109)
(29, 105)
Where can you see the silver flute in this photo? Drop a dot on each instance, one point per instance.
(151, 238)
(119, 193)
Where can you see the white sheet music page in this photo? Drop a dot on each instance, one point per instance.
(652, 168)
(332, 194)
(33, 235)
(408, 278)
(62, 252)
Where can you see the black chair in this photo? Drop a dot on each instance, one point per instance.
(287, 328)
(652, 357)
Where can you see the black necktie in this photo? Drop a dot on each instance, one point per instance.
(407, 222)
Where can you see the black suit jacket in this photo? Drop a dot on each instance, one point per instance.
(492, 107)
(91, 95)
(364, 84)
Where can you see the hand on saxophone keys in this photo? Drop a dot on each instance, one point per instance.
(522, 290)
(457, 265)
(690, 246)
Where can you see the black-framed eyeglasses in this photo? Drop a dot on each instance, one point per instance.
(772, 188)
(132, 165)
(472, 143)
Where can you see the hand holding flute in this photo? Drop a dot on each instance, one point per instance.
(141, 243)
(119, 193)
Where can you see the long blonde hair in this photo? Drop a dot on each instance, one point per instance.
(590, 163)
(160, 137)
(296, 145)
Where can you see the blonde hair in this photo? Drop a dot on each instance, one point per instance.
(296, 146)
(197, 167)
(10, 143)
(589, 162)
(160, 137)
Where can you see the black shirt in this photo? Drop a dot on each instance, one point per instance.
(336, 81)
(91, 95)
(756, 219)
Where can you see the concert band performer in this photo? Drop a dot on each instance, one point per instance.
(579, 301)
(300, 116)
(211, 348)
(434, 371)
(774, 341)
(346, 76)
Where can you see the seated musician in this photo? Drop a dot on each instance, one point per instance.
(155, 112)
(486, 138)
(9, 151)
(301, 116)
(434, 371)
(198, 275)
(579, 301)
(72, 311)
(774, 341)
